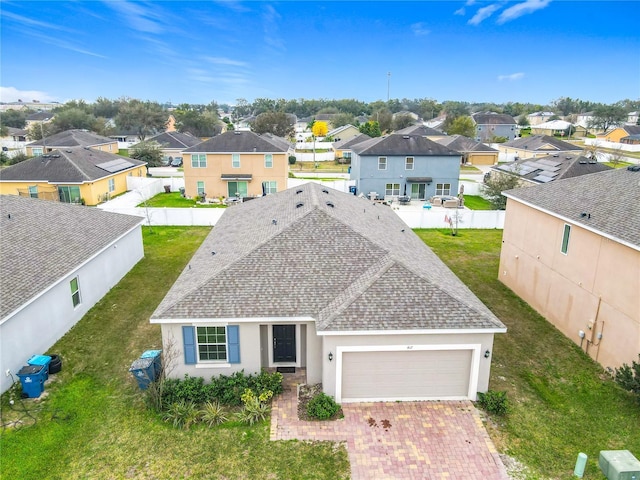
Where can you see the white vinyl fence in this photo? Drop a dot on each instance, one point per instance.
(444, 218)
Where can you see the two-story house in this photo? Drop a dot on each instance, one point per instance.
(237, 164)
(405, 165)
(490, 125)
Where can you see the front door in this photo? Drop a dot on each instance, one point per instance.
(284, 343)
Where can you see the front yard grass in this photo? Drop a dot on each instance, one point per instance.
(176, 200)
(93, 423)
(562, 402)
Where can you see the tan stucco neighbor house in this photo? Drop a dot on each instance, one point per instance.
(336, 286)
(571, 249)
(72, 138)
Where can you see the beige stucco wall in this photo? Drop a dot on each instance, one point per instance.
(593, 288)
(250, 163)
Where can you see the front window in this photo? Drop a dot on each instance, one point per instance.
(392, 189)
(69, 194)
(382, 163)
(75, 292)
(270, 187)
(199, 160)
(200, 188)
(443, 189)
(237, 189)
(565, 238)
(37, 151)
(408, 163)
(112, 184)
(235, 160)
(33, 191)
(212, 343)
(268, 160)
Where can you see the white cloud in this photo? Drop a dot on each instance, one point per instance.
(30, 22)
(420, 29)
(512, 77)
(225, 61)
(460, 11)
(139, 16)
(524, 8)
(12, 94)
(483, 13)
(270, 19)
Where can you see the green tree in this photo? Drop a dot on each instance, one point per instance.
(342, 119)
(150, 152)
(462, 126)
(14, 118)
(607, 116)
(39, 130)
(523, 121)
(72, 118)
(384, 119)
(402, 120)
(370, 128)
(276, 123)
(495, 185)
(205, 124)
(145, 118)
(103, 107)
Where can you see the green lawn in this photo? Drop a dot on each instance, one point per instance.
(175, 199)
(562, 402)
(324, 167)
(475, 202)
(93, 422)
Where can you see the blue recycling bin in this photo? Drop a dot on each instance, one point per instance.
(352, 188)
(32, 380)
(41, 360)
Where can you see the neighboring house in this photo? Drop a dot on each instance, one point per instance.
(618, 133)
(170, 126)
(558, 128)
(15, 139)
(550, 168)
(423, 131)
(490, 125)
(315, 279)
(57, 261)
(536, 118)
(473, 152)
(125, 139)
(237, 163)
(631, 140)
(404, 165)
(72, 138)
(71, 175)
(571, 250)
(633, 117)
(343, 133)
(535, 146)
(174, 143)
(38, 117)
(343, 149)
(585, 119)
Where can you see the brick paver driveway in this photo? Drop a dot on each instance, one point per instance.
(396, 440)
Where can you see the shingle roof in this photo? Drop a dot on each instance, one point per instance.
(420, 130)
(39, 116)
(397, 144)
(175, 140)
(632, 129)
(493, 119)
(551, 167)
(610, 199)
(350, 142)
(351, 266)
(241, 141)
(460, 143)
(69, 165)
(44, 241)
(72, 138)
(541, 142)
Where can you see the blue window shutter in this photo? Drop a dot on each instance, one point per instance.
(233, 343)
(189, 340)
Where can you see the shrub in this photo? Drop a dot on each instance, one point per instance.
(228, 389)
(628, 377)
(213, 414)
(190, 389)
(266, 381)
(182, 414)
(322, 407)
(292, 160)
(494, 402)
(256, 408)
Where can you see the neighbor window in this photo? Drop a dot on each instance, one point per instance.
(269, 187)
(200, 188)
(408, 163)
(37, 152)
(69, 194)
(565, 238)
(443, 189)
(392, 189)
(382, 163)
(268, 160)
(235, 160)
(33, 191)
(112, 184)
(75, 292)
(346, 155)
(212, 343)
(199, 160)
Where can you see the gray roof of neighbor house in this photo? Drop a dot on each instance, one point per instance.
(398, 144)
(544, 142)
(72, 138)
(39, 116)
(315, 252)
(175, 140)
(241, 141)
(605, 202)
(632, 129)
(552, 167)
(493, 119)
(460, 143)
(69, 165)
(43, 241)
(420, 130)
(350, 142)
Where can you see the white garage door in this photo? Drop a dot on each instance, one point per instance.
(406, 375)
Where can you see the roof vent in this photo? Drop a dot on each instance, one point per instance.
(298, 191)
(324, 190)
(330, 204)
(236, 132)
(274, 222)
(406, 137)
(298, 205)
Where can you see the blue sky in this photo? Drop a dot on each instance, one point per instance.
(195, 52)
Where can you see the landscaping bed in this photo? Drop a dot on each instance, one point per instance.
(305, 394)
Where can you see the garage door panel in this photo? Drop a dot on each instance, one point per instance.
(425, 374)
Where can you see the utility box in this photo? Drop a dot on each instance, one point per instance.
(32, 380)
(619, 465)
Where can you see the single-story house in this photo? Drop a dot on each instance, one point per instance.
(535, 146)
(559, 128)
(71, 175)
(423, 131)
(337, 286)
(473, 152)
(536, 118)
(343, 133)
(57, 261)
(38, 117)
(571, 250)
(72, 138)
(618, 133)
(631, 139)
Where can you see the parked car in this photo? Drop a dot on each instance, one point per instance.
(166, 161)
(176, 162)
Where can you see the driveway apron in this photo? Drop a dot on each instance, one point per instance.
(400, 440)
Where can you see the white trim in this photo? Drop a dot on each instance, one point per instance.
(473, 374)
(226, 321)
(439, 331)
(213, 365)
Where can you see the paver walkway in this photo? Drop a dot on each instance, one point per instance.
(400, 440)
